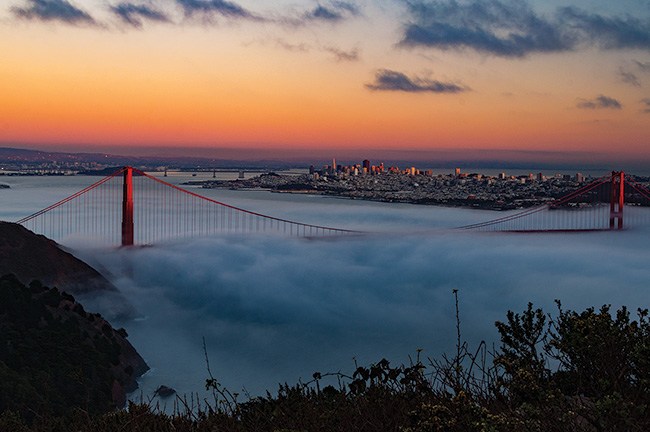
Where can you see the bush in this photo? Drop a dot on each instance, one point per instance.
(577, 371)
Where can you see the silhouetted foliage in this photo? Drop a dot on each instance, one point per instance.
(577, 371)
(48, 367)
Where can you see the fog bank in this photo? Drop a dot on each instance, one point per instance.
(278, 309)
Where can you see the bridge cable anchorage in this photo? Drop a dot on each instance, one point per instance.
(614, 189)
(142, 209)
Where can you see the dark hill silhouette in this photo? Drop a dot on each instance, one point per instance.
(55, 356)
(30, 257)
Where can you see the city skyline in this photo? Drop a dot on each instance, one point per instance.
(483, 79)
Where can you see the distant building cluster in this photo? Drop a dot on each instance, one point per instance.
(365, 168)
(412, 185)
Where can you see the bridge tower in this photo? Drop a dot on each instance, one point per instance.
(127, 207)
(617, 200)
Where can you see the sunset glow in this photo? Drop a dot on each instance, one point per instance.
(327, 75)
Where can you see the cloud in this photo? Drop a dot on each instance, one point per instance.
(336, 12)
(340, 55)
(389, 80)
(514, 29)
(369, 297)
(324, 14)
(273, 309)
(53, 10)
(643, 67)
(646, 105)
(133, 14)
(606, 32)
(505, 29)
(301, 47)
(628, 77)
(220, 7)
(599, 103)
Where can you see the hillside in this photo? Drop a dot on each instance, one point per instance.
(30, 256)
(56, 357)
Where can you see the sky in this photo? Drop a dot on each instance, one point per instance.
(476, 75)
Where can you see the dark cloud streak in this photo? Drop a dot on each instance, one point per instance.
(643, 67)
(133, 14)
(220, 7)
(628, 77)
(53, 10)
(388, 80)
(601, 102)
(606, 32)
(343, 56)
(513, 29)
(333, 13)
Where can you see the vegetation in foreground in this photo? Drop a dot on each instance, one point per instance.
(574, 371)
(57, 359)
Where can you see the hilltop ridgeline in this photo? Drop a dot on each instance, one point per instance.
(30, 256)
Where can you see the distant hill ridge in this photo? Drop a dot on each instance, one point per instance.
(26, 156)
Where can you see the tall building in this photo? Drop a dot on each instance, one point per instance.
(366, 165)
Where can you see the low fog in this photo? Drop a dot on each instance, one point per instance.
(275, 309)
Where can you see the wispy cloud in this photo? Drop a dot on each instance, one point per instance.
(333, 12)
(628, 77)
(514, 29)
(53, 10)
(341, 55)
(643, 67)
(646, 105)
(299, 47)
(133, 14)
(336, 12)
(219, 7)
(606, 32)
(388, 80)
(599, 102)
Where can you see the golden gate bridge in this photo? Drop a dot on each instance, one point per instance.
(132, 207)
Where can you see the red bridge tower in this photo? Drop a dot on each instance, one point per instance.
(617, 188)
(127, 208)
